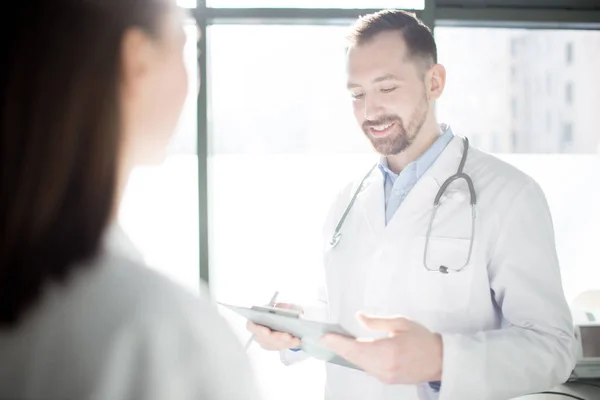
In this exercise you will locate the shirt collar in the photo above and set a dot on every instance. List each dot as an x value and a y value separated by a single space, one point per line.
421 164
384 167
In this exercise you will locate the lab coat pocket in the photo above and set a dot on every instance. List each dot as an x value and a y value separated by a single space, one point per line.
436 291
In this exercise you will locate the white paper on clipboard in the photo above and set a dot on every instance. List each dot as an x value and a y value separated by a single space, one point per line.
308 331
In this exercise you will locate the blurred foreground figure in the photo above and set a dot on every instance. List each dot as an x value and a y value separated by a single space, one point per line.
89 89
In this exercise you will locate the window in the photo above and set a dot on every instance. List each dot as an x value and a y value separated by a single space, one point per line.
513 47
513 141
569 53
407 4
567 134
280 118
513 107
160 205
506 97
540 133
495 141
569 93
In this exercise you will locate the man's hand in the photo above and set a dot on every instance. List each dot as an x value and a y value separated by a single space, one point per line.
411 354
273 340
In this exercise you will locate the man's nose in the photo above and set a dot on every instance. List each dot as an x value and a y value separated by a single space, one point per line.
373 109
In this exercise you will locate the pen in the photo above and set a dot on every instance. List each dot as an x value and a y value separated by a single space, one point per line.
271 304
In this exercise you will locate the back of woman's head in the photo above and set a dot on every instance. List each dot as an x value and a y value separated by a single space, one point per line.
77 80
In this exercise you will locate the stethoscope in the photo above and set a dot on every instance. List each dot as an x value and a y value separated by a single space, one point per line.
337 234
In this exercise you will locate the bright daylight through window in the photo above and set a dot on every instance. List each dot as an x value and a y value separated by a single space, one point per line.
283 141
169 193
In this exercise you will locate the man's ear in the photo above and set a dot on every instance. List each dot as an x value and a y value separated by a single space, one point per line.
435 81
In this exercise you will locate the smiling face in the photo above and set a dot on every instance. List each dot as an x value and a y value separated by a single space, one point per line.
389 91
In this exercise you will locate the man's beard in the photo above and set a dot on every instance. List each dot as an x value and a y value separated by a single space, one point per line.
402 137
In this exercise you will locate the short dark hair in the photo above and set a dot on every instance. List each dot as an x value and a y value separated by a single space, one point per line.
60 137
418 37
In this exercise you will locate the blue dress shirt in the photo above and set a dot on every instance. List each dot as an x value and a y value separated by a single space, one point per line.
397 186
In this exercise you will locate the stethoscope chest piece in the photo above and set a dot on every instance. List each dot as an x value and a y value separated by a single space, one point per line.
335 239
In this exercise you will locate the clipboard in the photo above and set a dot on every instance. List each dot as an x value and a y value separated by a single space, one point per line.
292 322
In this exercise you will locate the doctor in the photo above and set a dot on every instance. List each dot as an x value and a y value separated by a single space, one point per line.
446 253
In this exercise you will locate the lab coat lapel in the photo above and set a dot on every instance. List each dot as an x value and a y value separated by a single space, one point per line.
410 221
416 208
447 163
372 202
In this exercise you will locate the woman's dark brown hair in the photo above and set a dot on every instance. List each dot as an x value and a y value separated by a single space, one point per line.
59 137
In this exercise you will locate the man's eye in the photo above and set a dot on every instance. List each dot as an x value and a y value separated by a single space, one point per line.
388 90
357 95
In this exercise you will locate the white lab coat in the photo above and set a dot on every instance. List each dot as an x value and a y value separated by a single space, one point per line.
120 331
506 326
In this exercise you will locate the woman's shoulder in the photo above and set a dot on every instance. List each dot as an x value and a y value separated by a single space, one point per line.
115 289
183 330
120 280
117 314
